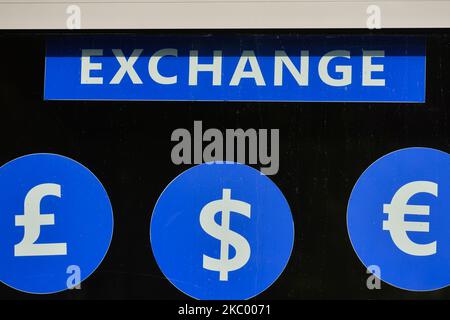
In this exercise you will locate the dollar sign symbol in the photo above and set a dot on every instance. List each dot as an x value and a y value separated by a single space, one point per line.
226 236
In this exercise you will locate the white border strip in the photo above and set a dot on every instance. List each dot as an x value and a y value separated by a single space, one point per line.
232 14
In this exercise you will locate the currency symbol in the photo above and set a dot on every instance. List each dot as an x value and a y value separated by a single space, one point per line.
226 236
32 220
396 224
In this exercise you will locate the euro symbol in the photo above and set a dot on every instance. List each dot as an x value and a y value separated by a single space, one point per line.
32 220
396 224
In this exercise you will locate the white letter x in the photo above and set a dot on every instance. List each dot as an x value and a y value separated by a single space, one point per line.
126 66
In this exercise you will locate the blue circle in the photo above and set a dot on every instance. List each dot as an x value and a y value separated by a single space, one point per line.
179 241
400 265
82 220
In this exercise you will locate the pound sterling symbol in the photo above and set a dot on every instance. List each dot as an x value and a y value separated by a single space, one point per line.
32 220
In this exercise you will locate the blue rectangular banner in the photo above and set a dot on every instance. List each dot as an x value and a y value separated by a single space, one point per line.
236 68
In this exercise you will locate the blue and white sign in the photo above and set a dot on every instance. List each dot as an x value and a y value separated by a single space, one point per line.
236 68
56 223
222 231
399 220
